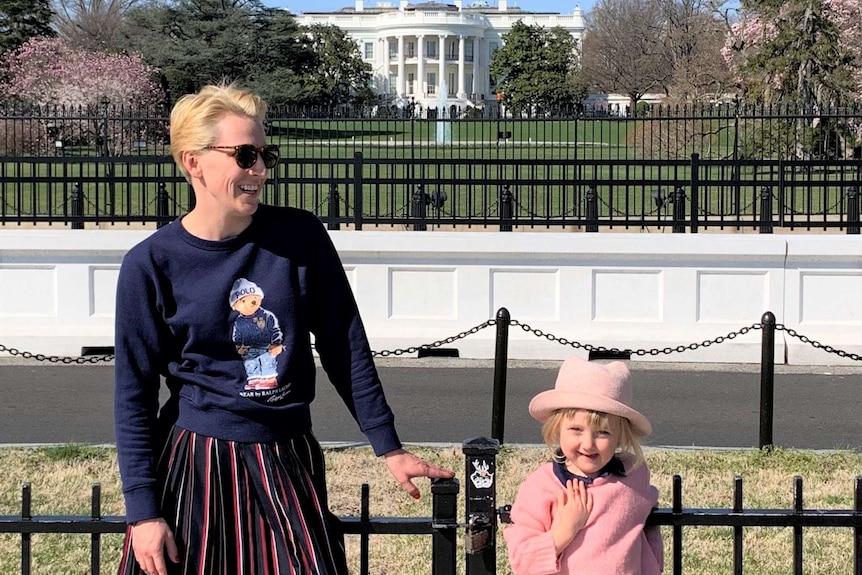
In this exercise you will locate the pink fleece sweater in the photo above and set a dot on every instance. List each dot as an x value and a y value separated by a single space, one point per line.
613 541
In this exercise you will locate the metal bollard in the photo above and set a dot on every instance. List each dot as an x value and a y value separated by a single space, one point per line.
480 544
592 198
767 378
420 203
765 210
678 210
506 212
334 210
853 210
162 206
501 359
77 207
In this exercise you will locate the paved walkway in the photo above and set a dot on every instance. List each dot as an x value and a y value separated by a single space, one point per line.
448 401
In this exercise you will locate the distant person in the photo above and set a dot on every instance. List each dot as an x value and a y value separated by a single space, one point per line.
584 511
227 477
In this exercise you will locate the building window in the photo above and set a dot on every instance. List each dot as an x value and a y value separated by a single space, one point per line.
452 87
369 50
411 78
432 83
411 50
393 83
431 48
453 50
468 52
393 50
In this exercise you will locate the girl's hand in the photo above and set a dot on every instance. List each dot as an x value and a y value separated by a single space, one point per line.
574 505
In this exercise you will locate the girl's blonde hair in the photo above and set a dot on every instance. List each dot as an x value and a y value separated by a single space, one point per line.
629 443
194 117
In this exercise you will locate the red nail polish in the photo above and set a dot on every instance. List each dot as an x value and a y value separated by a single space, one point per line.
415 496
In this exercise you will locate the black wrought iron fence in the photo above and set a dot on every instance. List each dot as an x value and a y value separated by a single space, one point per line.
688 195
441 526
684 168
482 520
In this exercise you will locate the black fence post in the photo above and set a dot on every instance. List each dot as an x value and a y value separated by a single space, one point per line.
357 191
365 519
765 210
853 210
767 378
506 211
26 538
679 210
481 502
420 204
857 531
501 360
95 538
78 207
444 521
162 205
592 198
695 191
112 190
334 210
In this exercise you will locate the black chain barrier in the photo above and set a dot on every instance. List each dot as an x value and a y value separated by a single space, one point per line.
512 322
55 358
654 351
415 349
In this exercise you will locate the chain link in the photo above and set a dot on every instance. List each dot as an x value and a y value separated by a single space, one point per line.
641 352
816 344
512 322
56 358
462 335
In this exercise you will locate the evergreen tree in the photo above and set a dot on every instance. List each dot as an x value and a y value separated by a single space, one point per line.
202 42
535 70
339 74
21 20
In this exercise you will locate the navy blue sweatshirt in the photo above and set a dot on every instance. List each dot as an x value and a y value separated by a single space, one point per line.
186 308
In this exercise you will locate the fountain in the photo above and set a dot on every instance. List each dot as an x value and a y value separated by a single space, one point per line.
444 123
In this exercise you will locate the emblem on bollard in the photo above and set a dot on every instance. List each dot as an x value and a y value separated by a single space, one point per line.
482 477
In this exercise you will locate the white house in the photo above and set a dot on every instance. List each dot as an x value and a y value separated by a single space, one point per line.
431 53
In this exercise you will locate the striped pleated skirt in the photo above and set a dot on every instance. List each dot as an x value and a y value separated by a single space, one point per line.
246 508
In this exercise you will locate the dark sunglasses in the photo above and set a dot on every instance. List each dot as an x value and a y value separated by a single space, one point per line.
246 154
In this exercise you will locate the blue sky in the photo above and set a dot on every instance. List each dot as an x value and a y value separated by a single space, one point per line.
562 6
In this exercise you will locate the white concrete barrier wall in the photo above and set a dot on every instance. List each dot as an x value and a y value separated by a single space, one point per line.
635 291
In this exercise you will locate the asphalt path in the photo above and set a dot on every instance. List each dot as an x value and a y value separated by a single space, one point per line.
449 401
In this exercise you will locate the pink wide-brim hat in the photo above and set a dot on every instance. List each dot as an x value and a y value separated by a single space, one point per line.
581 384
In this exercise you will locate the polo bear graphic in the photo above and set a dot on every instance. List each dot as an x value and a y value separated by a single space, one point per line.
256 334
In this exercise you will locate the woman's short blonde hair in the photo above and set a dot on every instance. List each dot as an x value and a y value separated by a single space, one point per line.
629 442
194 117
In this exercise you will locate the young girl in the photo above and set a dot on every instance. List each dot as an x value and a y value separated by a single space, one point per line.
584 512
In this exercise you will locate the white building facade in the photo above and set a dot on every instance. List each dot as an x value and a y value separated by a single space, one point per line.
432 53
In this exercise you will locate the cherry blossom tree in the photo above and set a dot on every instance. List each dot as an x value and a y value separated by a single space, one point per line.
61 83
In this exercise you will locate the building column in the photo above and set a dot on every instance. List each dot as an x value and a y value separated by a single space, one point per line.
401 91
441 68
386 65
475 89
420 66
461 91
